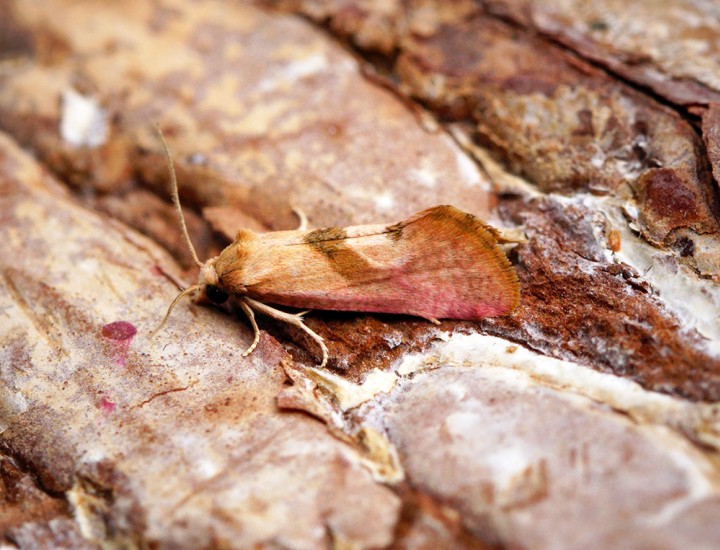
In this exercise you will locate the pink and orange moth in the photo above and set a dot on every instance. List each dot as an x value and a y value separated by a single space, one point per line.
440 263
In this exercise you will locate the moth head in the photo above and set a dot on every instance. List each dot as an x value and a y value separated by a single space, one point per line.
216 295
210 283
208 274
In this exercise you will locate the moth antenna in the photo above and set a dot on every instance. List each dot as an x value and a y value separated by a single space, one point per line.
179 297
176 200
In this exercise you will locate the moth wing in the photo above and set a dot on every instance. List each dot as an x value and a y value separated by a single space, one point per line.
456 269
440 263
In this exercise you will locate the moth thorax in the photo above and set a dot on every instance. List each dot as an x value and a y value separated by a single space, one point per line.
208 275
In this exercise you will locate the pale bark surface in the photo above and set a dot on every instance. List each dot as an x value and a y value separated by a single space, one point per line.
587 419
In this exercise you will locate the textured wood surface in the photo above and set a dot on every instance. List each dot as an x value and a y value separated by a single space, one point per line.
587 419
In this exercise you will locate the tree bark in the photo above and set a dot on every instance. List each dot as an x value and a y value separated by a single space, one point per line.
586 419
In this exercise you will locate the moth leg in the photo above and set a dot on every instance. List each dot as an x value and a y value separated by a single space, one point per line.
303 219
431 319
294 319
249 312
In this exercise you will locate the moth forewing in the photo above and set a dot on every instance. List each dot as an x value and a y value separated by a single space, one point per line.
440 263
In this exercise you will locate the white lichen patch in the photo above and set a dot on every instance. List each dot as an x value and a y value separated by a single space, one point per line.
291 72
541 445
381 457
83 122
424 176
384 201
11 403
525 368
348 394
694 300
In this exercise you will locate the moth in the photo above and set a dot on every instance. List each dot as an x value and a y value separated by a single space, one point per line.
441 263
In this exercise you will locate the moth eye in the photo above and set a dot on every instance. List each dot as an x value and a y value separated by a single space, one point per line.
215 295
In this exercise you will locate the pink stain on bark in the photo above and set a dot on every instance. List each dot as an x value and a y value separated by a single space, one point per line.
106 405
119 330
121 334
